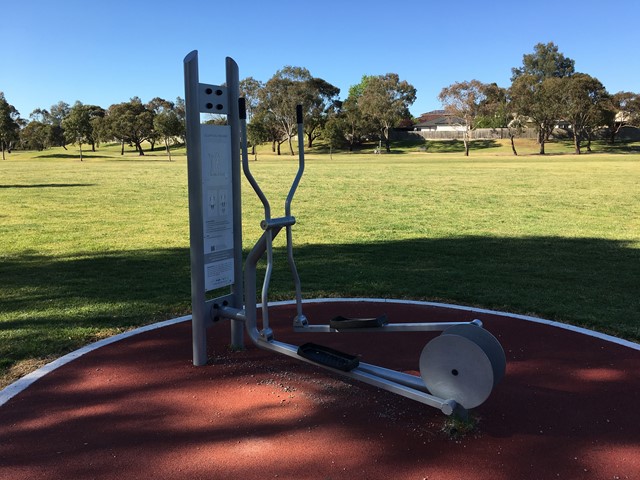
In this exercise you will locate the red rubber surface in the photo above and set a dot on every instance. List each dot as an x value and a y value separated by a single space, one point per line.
567 408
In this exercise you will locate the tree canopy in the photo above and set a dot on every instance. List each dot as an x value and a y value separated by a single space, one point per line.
463 100
9 124
545 62
384 100
544 90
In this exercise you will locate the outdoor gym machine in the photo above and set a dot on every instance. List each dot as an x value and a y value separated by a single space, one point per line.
458 369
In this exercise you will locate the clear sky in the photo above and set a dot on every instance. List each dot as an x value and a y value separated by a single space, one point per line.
107 52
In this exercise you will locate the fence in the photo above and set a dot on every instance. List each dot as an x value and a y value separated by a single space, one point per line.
477 134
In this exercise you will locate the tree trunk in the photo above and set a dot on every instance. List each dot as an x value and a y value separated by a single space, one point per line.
513 145
310 140
166 144
576 143
387 140
153 144
80 144
466 139
93 146
139 148
122 147
289 139
3 150
278 148
541 137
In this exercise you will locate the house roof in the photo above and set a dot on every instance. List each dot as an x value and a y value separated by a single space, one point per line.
435 118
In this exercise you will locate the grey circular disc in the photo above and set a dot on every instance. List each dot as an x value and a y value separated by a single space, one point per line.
487 342
454 367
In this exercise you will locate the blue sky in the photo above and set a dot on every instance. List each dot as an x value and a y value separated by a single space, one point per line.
107 52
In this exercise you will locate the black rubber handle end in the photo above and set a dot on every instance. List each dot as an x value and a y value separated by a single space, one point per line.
242 107
299 113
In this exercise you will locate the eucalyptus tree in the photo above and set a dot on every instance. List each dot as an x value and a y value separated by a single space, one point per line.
9 125
157 105
250 90
536 90
279 98
35 135
57 113
321 103
130 122
384 100
496 111
625 107
585 103
77 125
545 62
168 126
462 101
277 102
540 102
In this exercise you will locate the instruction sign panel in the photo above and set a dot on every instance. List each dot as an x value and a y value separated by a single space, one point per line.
217 205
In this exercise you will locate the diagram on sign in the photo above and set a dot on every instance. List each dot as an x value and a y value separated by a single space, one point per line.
217 210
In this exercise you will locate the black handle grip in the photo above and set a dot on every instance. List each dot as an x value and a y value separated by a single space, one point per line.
242 107
299 113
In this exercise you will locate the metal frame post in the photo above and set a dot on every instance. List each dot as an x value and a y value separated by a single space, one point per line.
204 98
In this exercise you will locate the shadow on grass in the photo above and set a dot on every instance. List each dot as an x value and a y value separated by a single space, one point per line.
456 146
53 305
72 155
49 185
619 147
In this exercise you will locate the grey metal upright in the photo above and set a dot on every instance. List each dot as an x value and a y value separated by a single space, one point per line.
216 258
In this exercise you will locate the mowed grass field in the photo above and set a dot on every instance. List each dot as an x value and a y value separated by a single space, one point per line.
89 249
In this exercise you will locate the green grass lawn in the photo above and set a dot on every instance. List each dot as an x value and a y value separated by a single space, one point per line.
92 248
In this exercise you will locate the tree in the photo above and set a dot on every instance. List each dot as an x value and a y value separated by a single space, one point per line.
385 100
496 111
625 111
355 125
320 104
462 100
181 111
535 91
157 105
334 133
279 98
35 135
540 102
584 104
250 90
9 125
130 122
57 113
168 125
545 62
77 125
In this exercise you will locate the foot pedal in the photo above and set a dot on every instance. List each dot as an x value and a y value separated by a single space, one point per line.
328 357
343 323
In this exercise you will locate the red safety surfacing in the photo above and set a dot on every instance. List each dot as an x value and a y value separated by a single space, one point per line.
567 408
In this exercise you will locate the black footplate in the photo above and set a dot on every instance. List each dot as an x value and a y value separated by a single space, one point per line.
328 357
342 323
